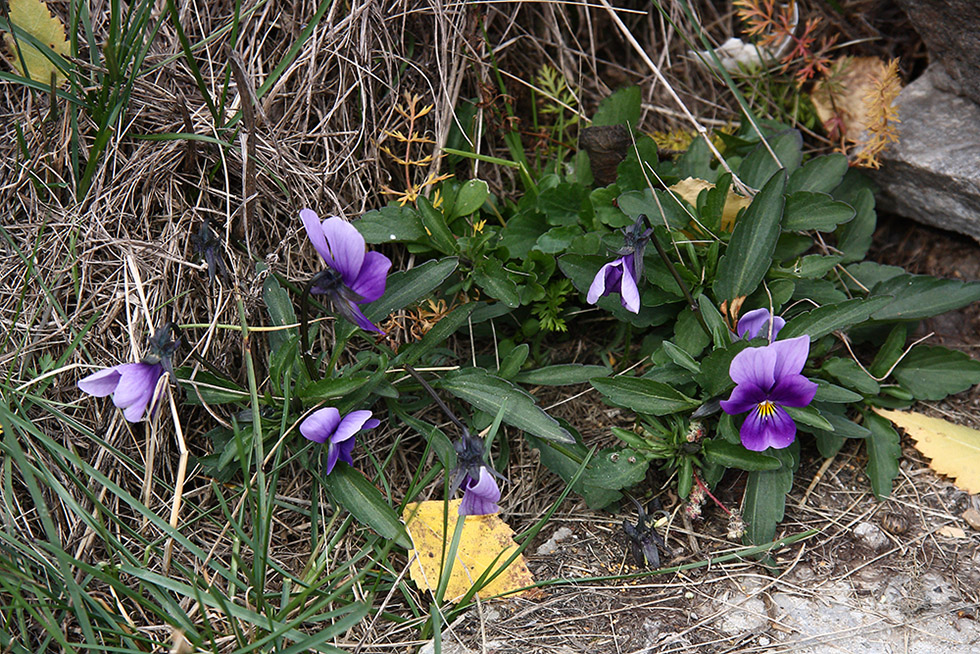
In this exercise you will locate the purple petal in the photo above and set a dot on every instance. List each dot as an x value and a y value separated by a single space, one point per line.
756 322
344 450
754 366
481 497
101 383
135 389
353 313
320 425
793 390
370 282
790 356
333 453
606 281
346 246
629 293
744 397
760 432
315 231
350 425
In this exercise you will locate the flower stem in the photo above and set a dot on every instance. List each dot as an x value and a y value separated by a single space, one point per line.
691 302
707 492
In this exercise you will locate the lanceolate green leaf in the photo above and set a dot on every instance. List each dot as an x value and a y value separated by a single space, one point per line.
820 175
932 373
488 393
921 296
759 166
884 452
354 492
830 318
435 224
819 211
406 287
644 395
562 374
765 500
731 455
749 252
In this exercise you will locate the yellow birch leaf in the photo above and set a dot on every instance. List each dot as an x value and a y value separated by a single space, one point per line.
486 541
33 17
689 189
954 449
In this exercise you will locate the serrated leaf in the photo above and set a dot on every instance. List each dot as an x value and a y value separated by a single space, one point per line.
954 449
753 241
933 372
492 278
33 17
759 166
884 451
644 395
489 393
354 492
823 320
564 374
817 211
485 544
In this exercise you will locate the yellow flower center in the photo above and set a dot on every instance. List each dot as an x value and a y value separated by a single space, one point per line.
766 409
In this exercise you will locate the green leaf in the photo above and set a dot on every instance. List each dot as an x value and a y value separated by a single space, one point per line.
565 461
889 353
933 372
615 469
435 223
827 392
681 358
849 373
622 107
631 172
819 175
921 296
557 239
828 444
446 327
326 389
753 241
210 388
657 206
562 204
714 378
844 427
441 443
866 275
522 232
406 287
563 374
731 455
759 166
488 393
644 395
391 224
281 311
470 197
823 320
350 489
854 236
492 278
512 363
818 211
809 416
764 501
884 451
716 324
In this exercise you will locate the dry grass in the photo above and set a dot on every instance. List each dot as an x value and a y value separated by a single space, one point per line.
90 276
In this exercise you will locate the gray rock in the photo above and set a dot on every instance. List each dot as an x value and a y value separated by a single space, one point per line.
949 29
870 536
931 175
551 545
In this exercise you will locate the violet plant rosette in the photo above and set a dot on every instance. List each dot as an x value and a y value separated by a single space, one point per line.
353 275
325 426
767 379
132 385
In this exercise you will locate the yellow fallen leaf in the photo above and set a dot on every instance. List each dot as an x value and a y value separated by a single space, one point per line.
486 541
951 532
689 189
954 449
33 17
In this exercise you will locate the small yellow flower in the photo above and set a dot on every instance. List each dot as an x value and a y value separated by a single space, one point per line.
478 227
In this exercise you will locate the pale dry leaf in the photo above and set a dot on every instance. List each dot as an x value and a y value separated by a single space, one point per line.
954 450
839 97
951 532
689 189
33 17
486 541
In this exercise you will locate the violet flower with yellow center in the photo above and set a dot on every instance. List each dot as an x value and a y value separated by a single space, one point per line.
768 379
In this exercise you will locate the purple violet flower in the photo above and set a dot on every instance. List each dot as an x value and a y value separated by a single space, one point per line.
617 276
326 426
481 495
756 322
132 384
767 379
353 276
